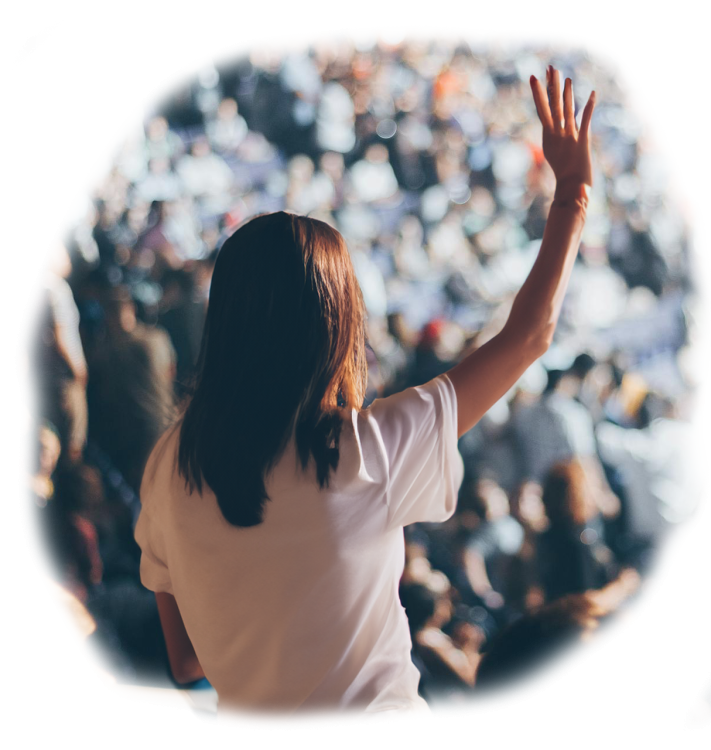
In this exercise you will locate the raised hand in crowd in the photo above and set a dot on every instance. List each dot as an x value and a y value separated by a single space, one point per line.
565 147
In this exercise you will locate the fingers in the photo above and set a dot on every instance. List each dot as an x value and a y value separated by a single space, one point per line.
541 101
587 116
568 109
554 94
557 112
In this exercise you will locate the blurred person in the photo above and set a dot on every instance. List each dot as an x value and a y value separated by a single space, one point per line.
103 505
183 229
372 178
160 141
206 176
411 259
571 551
59 361
153 243
332 168
524 645
430 356
335 119
447 667
131 390
635 255
184 110
307 190
275 442
182 316
490 551
598 388
61 543
660 487
160 183
47 453
78 622
528 509
557 427
228 129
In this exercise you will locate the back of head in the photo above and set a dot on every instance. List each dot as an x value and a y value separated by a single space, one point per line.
283 351
539 649
554 377
566 495
582 365
419 603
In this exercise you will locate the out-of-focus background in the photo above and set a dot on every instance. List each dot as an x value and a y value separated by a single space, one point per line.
427 156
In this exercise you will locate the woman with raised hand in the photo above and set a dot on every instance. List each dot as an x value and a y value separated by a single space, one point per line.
273 510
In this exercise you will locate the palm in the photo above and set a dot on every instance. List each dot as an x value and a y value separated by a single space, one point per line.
566 148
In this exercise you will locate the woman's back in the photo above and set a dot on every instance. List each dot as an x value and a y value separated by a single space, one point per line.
302 609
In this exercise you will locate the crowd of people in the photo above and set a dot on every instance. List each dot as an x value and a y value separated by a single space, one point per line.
427 158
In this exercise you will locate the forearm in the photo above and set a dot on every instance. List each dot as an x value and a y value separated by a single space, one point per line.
610 597
475 569
536 308
72 355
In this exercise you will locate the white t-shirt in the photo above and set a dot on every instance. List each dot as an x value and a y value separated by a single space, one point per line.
302 611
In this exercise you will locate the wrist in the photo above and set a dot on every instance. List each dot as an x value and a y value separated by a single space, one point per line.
571 192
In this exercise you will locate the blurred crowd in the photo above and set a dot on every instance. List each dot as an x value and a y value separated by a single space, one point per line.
427 157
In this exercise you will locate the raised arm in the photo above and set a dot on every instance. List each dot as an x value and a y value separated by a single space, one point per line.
483 377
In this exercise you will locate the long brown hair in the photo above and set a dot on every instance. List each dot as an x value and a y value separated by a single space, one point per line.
566 495
282 354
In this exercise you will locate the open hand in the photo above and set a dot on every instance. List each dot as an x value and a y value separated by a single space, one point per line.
566 148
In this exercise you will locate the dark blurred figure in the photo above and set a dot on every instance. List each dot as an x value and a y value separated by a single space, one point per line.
153 245
634 254
182 315
536 637
428 361
131 387
59 363
558 427
62 543
573 556
176 98
490 552
447 668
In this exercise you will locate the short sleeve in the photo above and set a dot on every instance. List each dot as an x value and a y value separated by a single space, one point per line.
418 432
153 570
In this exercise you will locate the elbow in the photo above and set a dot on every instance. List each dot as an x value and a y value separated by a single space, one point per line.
542 344
187 673
540 341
